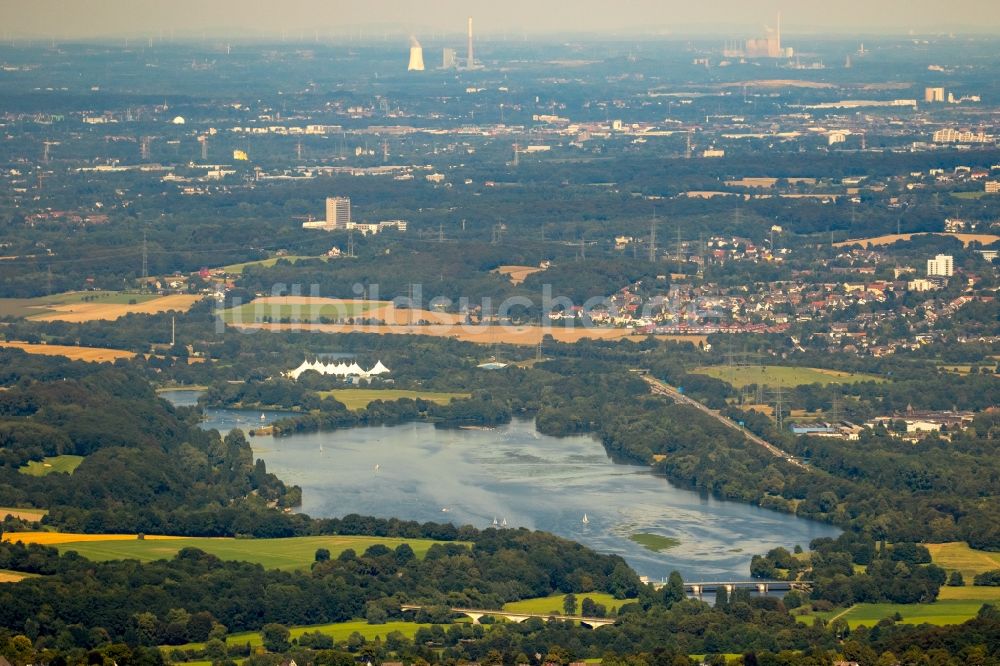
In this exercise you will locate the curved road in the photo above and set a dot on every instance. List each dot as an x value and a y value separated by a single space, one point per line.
659 388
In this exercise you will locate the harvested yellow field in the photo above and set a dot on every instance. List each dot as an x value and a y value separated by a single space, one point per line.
517 274
53 538
487 335
91 354
777 83
95 311
889 239
767 182
12 577
310 309
30 515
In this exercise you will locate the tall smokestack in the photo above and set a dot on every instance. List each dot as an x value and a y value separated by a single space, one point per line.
470 61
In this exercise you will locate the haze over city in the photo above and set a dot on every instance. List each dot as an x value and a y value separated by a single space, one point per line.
92 19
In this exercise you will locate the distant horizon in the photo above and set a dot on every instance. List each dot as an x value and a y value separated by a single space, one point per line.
309 20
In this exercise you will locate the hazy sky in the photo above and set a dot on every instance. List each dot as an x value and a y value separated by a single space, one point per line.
270 18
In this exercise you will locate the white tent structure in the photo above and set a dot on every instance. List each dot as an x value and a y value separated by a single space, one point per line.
338 369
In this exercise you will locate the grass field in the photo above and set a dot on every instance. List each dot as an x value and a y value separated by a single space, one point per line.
360 398
941 612
291 553
30 515
266 263
954 605
553 605
90 354
338 631
54 465
655 542
958 556
969 195
780 375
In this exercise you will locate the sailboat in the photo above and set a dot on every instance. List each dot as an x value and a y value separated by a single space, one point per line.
585 520
377 467
495 523
503 523
263 417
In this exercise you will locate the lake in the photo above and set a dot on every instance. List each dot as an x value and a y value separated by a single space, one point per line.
513 473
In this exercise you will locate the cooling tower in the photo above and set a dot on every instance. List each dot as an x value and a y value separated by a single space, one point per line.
416 56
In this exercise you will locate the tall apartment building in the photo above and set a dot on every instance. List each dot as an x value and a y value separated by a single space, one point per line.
338 212
933 95
940 266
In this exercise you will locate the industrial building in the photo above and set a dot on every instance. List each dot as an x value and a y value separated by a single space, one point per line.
416 56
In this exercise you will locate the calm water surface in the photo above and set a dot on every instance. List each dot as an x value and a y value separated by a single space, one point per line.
513 473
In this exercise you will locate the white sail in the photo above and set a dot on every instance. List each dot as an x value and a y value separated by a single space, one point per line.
585 519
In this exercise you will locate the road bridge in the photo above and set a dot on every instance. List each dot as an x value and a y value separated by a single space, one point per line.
761 586
477 613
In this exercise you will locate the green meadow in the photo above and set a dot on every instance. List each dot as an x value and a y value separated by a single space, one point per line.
289 553
781 375
954 605
553 605
361 398
266 263
55 465
338 631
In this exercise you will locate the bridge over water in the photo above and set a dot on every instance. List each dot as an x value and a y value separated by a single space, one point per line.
761 586
477 613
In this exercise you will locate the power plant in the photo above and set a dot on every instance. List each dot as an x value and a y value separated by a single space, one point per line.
416 56
768 46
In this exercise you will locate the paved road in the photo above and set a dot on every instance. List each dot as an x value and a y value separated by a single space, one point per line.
658 387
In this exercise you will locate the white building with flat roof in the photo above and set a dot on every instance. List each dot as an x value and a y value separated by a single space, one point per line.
940 266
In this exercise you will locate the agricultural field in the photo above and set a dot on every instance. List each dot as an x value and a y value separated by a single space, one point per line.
518 274
43 305
338 631
7 576
265 263
31 515
554 604
780 375
89 354
361 398
954 604
54 465
889 239
83 306
941 612
958 556
290 553
303 309
486 335
59 538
